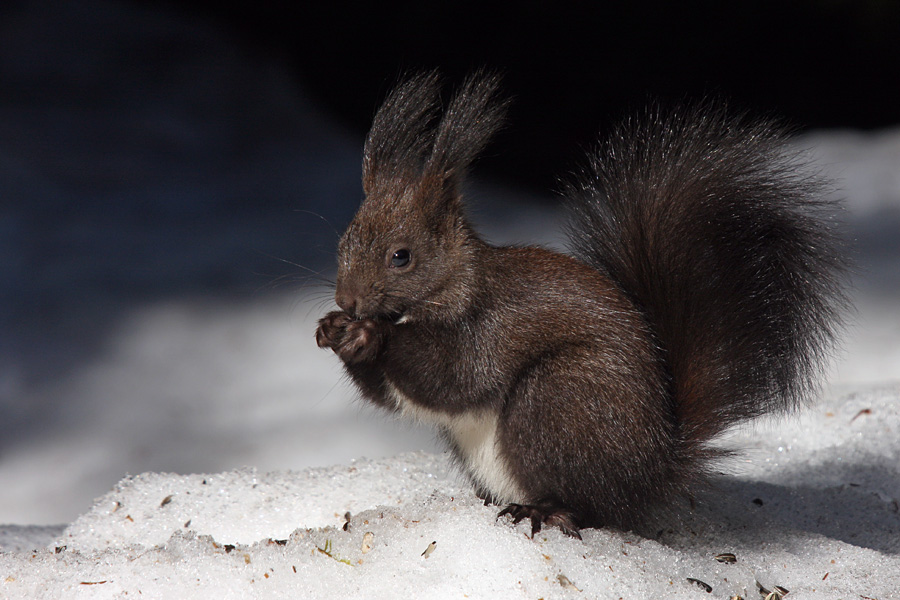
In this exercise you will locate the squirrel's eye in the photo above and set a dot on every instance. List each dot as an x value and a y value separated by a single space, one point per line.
400 258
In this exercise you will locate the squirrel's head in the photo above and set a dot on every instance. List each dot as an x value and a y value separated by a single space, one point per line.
409 251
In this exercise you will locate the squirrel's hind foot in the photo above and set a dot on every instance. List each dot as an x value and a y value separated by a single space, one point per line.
543 515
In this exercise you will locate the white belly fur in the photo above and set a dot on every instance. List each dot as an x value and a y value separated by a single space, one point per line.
475 434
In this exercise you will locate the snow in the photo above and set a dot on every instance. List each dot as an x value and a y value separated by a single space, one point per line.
812 508
147 329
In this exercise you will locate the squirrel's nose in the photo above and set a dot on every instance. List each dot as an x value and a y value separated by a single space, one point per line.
347 302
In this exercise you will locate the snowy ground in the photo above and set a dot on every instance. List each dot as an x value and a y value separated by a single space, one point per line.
145 330
813 508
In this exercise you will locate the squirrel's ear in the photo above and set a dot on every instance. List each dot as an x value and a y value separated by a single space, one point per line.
401 137
405 148
474 114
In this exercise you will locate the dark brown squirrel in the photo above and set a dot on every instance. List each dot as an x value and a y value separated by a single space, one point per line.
583 391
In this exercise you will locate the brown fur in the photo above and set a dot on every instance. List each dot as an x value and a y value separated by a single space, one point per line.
704 293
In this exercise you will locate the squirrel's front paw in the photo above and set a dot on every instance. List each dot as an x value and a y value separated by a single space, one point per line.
331 329
360 342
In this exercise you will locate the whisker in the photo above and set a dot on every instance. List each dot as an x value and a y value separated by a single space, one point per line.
328 393
306 282
310 270
317 215
319 307
433 302
389 295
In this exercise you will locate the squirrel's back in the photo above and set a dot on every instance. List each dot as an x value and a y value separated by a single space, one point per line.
723 239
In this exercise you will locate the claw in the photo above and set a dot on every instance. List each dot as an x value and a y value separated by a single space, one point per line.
542 515
535 526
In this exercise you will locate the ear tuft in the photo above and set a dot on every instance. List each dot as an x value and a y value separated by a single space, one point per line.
400 137
474 115
404 145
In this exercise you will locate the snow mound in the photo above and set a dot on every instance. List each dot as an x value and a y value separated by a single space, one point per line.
814 509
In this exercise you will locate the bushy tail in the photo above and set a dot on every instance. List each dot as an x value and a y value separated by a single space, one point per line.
722 237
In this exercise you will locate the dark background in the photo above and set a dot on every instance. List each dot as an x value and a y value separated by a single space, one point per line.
169 170
151 148
573 67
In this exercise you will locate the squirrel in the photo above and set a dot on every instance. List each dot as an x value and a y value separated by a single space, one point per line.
704 288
